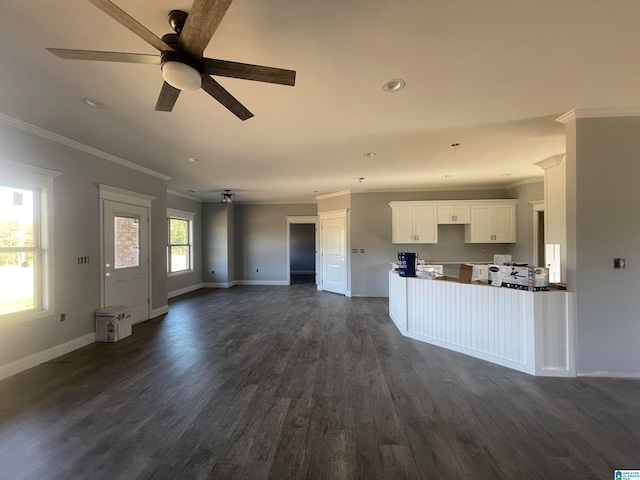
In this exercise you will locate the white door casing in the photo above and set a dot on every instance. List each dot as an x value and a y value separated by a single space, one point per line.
334 252
125 264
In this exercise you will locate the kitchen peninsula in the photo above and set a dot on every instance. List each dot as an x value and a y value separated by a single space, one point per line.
533 332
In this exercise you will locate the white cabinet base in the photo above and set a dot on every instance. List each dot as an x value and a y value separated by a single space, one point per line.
532 332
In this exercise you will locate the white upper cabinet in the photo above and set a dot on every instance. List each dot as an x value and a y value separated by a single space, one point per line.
414 223
448 214
485 221
492 223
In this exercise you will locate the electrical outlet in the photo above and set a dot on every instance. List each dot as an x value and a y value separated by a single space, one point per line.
362 250
63 317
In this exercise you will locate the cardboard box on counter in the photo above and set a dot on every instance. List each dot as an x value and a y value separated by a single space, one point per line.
534 279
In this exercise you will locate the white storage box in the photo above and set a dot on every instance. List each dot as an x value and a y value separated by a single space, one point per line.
501 259
535 279
113 323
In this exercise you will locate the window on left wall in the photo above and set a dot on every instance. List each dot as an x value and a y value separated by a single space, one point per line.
179 241
25 241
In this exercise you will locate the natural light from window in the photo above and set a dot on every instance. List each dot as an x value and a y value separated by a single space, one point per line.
19 250
179 248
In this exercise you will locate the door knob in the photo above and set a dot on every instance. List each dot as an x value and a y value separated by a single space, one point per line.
108 274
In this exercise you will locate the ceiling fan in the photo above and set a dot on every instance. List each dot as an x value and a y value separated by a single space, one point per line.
181 60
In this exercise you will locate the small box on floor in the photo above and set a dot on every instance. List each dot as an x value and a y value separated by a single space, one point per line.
534 279
113 323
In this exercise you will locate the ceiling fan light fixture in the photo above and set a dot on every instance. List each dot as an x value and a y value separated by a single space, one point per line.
181 76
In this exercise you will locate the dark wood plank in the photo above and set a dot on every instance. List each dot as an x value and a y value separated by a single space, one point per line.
247 71
288 382
105 56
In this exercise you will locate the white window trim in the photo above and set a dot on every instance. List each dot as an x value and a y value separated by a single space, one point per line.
182 215
30 177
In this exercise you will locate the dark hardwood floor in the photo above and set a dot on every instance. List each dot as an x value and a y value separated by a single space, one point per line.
292 383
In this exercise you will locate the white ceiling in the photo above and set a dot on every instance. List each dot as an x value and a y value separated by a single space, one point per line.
489 75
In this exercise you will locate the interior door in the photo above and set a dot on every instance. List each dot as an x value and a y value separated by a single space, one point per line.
334 255
126 257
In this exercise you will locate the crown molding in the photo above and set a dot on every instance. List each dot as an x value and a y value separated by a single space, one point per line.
41 132
551 161
598 113
184 195
335 194
525 181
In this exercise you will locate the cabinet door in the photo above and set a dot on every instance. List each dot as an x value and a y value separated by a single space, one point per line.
402 220
426 224
504 219
480 230
448 214
462 214
445 214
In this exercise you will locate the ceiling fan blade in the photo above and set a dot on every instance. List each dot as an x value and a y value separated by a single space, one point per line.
136 27
105 56
247 71
167 98
201 24
216 90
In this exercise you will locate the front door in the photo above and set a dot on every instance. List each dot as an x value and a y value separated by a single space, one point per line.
334 254
126 257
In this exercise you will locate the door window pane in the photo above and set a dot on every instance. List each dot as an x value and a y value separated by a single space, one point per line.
127 241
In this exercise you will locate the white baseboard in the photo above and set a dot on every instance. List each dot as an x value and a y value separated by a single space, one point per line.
218 285
182 291
347 293
31 361
371 296
633 375
156 312
245 282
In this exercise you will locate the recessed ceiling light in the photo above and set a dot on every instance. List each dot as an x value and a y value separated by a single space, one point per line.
369 154
93 103
393 85
194 159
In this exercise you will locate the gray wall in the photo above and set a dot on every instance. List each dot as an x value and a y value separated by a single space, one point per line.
302 247
523 250
261 240
187 280
605 168
335 202
217 243
77 233
371 230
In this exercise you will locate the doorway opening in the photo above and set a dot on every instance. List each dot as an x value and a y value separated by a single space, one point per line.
302 253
